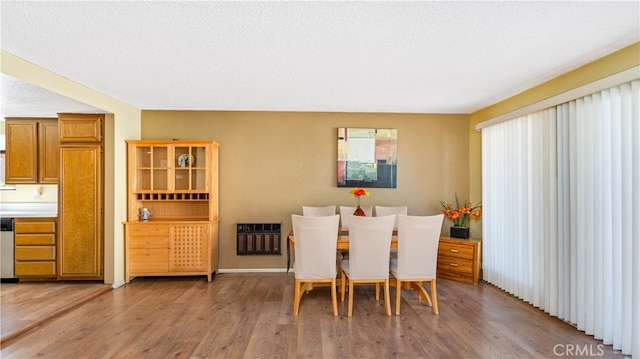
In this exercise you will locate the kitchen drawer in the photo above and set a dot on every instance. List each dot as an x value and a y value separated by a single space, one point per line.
35 269
35 239
455 250
455 265
146 229
35 253
148 242
35 227
152 260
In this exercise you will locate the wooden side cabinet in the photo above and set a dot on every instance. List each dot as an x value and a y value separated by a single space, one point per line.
35 248
459 259
32 150
177 183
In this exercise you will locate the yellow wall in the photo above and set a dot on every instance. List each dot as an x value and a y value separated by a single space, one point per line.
272 163
613 63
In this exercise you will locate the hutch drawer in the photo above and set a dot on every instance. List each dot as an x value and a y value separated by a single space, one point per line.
149 260
149 242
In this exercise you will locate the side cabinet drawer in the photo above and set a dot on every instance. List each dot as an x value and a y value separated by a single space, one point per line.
457 251
455 265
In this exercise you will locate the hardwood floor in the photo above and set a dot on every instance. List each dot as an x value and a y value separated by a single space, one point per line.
27 304
250 316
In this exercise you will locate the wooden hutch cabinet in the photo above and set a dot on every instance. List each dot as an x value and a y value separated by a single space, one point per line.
32 150
176 182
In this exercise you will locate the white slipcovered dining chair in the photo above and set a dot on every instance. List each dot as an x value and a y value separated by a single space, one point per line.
418 238
368 263
382 211
315 254
318 211
386 211
346 212
310 211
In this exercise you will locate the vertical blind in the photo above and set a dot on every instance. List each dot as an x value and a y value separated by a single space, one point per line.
561 202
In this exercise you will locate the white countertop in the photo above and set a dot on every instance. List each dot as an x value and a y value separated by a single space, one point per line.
28 210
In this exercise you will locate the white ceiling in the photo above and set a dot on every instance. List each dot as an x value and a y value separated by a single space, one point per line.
404 57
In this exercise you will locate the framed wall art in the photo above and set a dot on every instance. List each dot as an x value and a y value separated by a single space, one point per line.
367 157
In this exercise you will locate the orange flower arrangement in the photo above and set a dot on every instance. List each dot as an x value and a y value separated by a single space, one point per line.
461 215
358 193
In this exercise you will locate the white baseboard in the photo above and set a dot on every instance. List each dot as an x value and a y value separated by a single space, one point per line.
118 284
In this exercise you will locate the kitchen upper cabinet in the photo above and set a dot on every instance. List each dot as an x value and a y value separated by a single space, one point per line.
77 127
32 150
48 152
80 204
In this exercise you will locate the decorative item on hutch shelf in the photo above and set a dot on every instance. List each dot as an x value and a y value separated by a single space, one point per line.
145 214
358 193
461 216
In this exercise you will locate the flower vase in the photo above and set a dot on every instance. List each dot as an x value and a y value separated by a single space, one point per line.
359 212
459 232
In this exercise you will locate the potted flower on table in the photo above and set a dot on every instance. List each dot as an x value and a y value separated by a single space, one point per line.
358 193
461 215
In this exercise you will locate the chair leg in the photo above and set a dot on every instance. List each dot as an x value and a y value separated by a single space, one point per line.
296 297
377 291
350 311
334 297
387 300
434 296
398 293
343 284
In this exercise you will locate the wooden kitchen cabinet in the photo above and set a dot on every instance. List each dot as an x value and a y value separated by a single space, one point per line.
32 150
80 208
459 259
177 182
80 128
35 248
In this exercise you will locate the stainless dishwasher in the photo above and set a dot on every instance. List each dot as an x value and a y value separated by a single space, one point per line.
7 249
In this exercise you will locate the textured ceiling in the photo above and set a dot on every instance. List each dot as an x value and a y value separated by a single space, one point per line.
405 57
